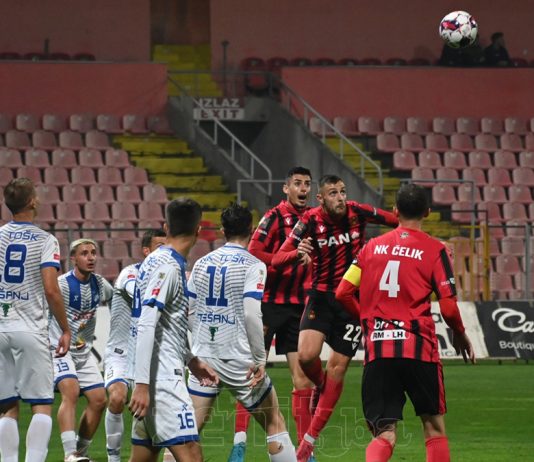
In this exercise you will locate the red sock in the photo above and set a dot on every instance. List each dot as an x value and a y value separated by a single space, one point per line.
300 405
327 402
437 449
379 450
242 418
314 371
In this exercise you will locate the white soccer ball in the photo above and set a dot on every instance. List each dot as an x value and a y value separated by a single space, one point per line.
458 29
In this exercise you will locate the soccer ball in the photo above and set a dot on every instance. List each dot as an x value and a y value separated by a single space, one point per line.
459 29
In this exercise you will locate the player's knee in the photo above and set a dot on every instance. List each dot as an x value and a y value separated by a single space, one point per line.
306 357
116 402
98 401
279 443
70 393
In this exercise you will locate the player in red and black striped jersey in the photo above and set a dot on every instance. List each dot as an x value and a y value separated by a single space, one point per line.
332 234
283 299
397 273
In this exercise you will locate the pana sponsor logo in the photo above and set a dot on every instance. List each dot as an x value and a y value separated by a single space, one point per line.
510 320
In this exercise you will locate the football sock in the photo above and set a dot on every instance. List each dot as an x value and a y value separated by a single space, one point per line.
287 454
327 402
69 442
300 406
37 438
82 445
437 449
9 440
379 450
314 371
242 419
114 429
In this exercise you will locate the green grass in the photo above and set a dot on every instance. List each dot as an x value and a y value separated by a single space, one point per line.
490 415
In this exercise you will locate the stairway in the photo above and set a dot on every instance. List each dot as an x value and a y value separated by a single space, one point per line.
188 58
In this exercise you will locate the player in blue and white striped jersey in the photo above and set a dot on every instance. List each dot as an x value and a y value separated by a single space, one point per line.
83 292
29 261
225 289
117 347
162 407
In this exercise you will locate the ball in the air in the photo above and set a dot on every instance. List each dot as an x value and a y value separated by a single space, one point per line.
458 29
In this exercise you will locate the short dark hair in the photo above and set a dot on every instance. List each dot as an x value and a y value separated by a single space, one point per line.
329 179
236 221
18 193
496 36
298 171
412 201
146 240
183 216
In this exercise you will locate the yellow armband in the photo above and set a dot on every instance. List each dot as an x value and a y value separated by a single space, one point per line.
353 275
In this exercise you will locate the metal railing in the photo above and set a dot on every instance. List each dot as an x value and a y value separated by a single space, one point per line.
248 169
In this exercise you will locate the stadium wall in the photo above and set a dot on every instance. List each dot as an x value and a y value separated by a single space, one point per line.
358 29
116 30
95 88
407 91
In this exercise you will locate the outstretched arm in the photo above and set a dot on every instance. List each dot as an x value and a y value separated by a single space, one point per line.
451 315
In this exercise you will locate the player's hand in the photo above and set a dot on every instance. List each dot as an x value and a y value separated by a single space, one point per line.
63 344
305 247
462 344
256 374
203 372
305 260
139 401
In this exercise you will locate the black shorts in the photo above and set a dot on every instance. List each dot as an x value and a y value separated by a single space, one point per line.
325 314
282 320
387 381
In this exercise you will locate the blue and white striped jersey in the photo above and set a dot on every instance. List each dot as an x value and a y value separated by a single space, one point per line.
217 286
24 250
161 283
121 311
81 301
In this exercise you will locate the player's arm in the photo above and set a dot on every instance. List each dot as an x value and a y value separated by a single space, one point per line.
192 297
346 289
295 248
260 242
378 216
107 291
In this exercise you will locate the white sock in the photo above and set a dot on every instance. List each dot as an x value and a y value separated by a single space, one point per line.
82 445
114 429
69 442
9 440
38 437
287 454
240 437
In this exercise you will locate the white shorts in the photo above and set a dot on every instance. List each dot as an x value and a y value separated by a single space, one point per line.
116 369
83 368
25 368
170 419
233 376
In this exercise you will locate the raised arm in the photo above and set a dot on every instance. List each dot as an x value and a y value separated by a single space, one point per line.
296 247
56 306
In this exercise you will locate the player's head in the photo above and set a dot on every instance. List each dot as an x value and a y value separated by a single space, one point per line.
332 195
83 255
182 218
298 186
20 196
151 240
236 222
412 202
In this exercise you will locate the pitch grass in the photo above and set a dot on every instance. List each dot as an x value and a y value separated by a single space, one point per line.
490 418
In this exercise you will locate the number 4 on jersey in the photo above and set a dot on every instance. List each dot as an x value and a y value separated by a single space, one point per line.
390 278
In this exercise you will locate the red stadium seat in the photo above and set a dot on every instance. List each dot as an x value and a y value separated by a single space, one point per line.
123 230
479 159
107 267
117 158
17 140
486 142
474 174
56 175
523 175
346 125
64 158
514 211
515 228
101 193
531 211
136 251
109 175
109 123
429 159
436 142
6 123
54 123
396 62
115 249
466 191
275 64
446 173
97 140
145 225
90 158
404 160
454 159
467 125
387 142
506 159
513 246
149 211
128 193
47 194
81 123
491 125
516 125
96 211
45 215
519 193
74 193
123 211
44 140
69 212
155 193
36 158
301 62
494 249
499 176
494 193
324 62
395 125
159 125
134 123
417 125
511 142
67 232
70 139
443 125
319 128
461 142
135 176
27 123
84 176
208 230
489 212
412 142
443 194
33 173
368 125
529 142
10 158
370 62
501 285
420 174
461 212
526 159
95 230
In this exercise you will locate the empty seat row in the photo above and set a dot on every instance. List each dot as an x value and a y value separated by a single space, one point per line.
447 194
496 176
84 123
511 214
47 140
39 56
389 142
68 158
407 160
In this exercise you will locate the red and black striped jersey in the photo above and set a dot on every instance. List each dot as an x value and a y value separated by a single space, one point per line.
287 284
399 272
336 242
